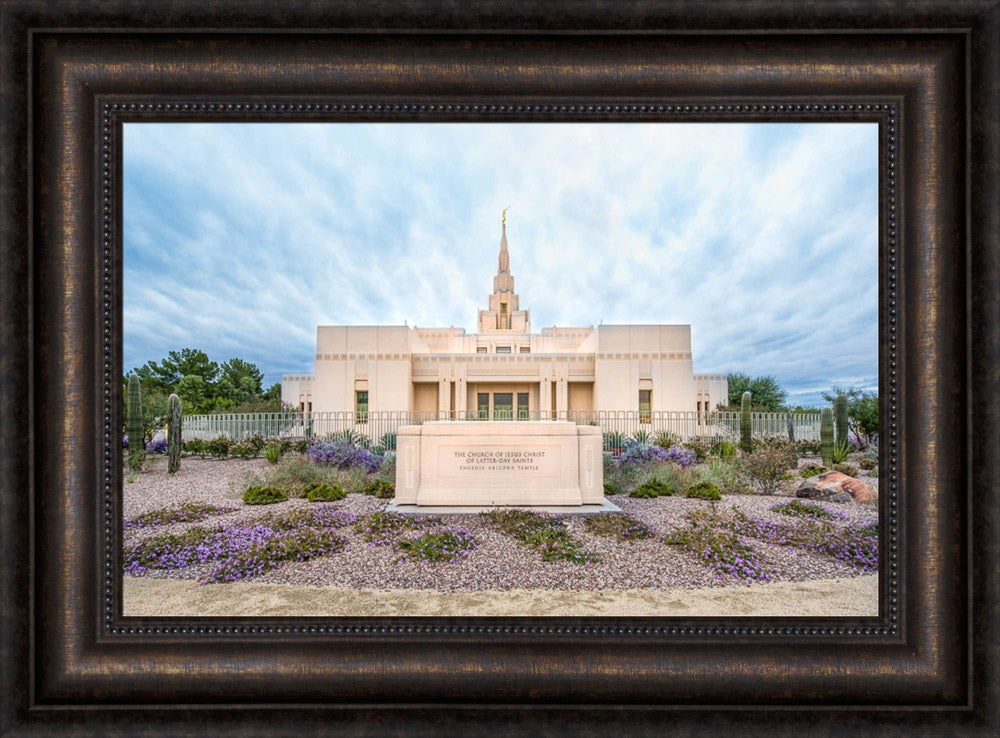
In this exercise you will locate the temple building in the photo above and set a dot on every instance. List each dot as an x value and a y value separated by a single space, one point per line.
503 370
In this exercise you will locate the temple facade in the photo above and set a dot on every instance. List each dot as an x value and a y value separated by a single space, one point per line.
503 369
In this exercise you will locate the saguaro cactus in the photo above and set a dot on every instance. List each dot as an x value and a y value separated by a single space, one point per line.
826 435
133 423
174 440
791 426
840 421
746 430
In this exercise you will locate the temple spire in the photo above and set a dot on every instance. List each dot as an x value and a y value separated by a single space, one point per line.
503 312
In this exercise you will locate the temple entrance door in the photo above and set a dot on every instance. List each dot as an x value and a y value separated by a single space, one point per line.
506 405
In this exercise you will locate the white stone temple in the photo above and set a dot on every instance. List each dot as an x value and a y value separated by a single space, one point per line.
503 370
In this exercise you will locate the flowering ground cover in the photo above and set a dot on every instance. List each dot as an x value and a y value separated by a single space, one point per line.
244 550
721 539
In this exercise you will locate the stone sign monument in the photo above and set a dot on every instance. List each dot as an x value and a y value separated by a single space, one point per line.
502 463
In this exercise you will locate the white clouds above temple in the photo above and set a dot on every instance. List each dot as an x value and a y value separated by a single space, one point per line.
240 239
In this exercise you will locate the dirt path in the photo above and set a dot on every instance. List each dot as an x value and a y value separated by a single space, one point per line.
185 598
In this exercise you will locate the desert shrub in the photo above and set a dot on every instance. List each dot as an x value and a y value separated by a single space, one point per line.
642 455
726 475
445 544
848 469
323 492
273 451
257 442
666 439
381 489
681 456
342 454
301 445
704 491
218 447
242 450
196 446
618 525
867 464
766 468
387 469
611 489
159 446
701 447
724 449
780 446
619 478
807 447
263 495
652 488
811 470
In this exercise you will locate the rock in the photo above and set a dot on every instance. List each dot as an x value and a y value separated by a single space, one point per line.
832 486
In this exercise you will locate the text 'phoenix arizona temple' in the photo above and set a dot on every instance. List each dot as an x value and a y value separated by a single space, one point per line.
503 370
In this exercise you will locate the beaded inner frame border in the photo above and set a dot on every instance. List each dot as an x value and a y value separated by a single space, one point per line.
114 114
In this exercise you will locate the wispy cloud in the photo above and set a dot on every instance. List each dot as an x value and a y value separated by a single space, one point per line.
241 238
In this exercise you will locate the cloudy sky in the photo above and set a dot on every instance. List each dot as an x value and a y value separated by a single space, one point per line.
239 239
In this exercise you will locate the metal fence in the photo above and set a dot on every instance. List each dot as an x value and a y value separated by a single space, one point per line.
379 428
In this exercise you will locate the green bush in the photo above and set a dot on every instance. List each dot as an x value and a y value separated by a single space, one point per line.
265 495
799 509
726 475
219 447
242 451
704 491
849 470
381 489
323 492
867 464
723 449
804 447
273 451
257 442
196 446
811 470
620 478
300 445
652 488
610 489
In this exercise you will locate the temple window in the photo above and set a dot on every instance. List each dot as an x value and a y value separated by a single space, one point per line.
503 349
361 406
646 406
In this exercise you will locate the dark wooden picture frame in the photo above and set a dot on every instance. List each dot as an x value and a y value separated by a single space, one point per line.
927 72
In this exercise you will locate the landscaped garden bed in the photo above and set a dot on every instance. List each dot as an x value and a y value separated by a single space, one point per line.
195 524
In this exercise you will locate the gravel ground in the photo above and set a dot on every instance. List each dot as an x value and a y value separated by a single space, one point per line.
498 563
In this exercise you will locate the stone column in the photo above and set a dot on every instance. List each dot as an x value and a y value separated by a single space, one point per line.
444 398
544 399
562 397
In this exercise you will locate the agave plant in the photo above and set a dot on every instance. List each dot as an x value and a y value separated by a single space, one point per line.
643 437
840 452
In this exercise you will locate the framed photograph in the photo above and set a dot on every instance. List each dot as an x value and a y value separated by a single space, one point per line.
921 81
